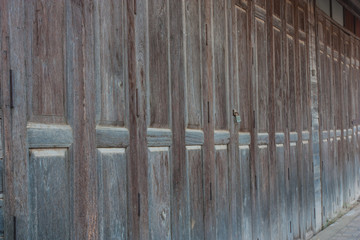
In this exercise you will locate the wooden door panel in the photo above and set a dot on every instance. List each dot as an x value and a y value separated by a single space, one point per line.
196 194
47 88
280 83
243 75
110 62
291 82
261 221
244 189
219 66
294 192
49 181
261 75
158 84
282 178
159 193
193 91
221 195
112 187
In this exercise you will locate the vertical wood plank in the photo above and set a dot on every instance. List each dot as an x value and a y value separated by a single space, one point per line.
180 225
49 185
159 193
112 194
83 121
219 65
196 195
193 64
48 57
245 222
158 30
221 192
244 79
138 73
110 62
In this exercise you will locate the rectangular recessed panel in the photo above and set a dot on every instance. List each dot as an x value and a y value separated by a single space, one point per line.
219 67
280 85
262 192
305 99
159 193
112 193
48 70
158 63
262 74
244 83
196 194
282 177
193 60
222 196
292 83
294 190
111 64
49 175
245 188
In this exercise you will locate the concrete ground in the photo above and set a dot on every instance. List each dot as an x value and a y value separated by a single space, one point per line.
345 228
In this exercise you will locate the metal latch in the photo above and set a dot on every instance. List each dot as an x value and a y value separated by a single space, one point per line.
237 116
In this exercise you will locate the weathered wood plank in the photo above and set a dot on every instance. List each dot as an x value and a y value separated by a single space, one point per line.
83 115
159 193
158 99
193 91
138 74
47 57
261 75
263 193
112 193
221 193
196 194
110 62
50 194
282 178
245 221
220 83
243 75
111 137
180 225
46 135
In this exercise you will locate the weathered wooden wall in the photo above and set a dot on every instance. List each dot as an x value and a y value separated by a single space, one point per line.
338 74
118 119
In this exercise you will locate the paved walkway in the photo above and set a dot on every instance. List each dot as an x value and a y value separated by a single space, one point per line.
345 228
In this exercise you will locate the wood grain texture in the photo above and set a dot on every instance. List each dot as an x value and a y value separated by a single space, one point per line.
196 195
243 47
47 57
158 29
221 193
159 193
193 91
246 218
49 186
219 65
110 62
112 193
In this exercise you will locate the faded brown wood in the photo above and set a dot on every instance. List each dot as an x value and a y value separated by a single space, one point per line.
196 195
48 57
158 29
180 224
125 111
110 62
